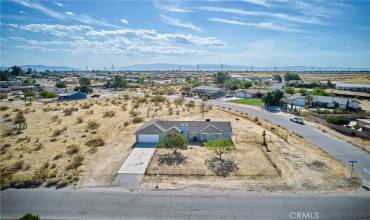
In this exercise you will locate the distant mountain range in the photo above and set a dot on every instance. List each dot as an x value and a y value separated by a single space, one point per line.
43 68
202 67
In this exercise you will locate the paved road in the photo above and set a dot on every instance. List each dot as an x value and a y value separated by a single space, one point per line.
117 204
339 149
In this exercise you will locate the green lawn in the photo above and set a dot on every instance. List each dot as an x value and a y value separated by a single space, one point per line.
256 102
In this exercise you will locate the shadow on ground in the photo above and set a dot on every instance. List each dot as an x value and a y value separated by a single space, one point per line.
172 159
222 167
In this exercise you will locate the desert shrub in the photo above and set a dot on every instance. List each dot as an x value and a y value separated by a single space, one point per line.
57 132
96 142
75 163
133 113
338 120
48 94
37 147
108 114
63 182
51 182
24 181
4 108
126 123
6 115
190 104
158 98
57 156
86 105
13 168
41 173
92 125
137 120
79 120
124 108
72 149
69 111
179 101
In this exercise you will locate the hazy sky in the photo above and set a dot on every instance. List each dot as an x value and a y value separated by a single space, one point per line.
248 32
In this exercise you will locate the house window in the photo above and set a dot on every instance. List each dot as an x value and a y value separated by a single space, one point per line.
217 135
204 136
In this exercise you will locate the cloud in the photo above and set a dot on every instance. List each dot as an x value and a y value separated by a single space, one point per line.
169 7
137 42
63 16
286 17
258 2
260 25
179 23
124 21
69 13
22 12
59 4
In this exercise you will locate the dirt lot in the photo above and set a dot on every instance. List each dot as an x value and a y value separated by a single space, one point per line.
62 143
299 165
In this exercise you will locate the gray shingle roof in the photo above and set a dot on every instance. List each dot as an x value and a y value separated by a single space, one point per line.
161 127
331 99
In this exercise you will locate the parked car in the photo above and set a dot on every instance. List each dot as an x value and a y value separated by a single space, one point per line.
298 120
229 95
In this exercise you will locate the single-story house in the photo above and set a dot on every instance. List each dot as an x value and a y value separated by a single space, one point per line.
296 100
276 86
74 95
153 131
248 93
335 102
353 87
209 91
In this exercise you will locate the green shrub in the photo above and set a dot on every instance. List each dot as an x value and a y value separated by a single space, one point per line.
29 216
51 182
48 95
190 104
337 120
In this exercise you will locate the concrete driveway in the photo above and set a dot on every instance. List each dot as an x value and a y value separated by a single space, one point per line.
133 169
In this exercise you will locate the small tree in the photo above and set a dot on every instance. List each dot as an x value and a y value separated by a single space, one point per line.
290 90
220 147
173 141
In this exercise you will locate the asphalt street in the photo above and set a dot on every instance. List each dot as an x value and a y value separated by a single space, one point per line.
339 149
111 203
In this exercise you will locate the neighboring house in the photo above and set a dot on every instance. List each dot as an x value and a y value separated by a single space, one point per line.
153 131
248 93
277 86
353 87
335 102
74 95
295 100
209 91
363 122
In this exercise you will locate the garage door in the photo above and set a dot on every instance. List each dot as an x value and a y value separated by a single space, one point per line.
149 138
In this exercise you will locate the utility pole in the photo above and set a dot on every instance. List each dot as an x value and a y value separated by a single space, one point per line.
222 67
112 67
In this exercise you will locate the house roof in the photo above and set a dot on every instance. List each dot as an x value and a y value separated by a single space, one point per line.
70 93
251 91
162 127
209 88
332 99
294 97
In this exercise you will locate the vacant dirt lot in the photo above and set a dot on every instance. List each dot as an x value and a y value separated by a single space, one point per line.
80 142
299 165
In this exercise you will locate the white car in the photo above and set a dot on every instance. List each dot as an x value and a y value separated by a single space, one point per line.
298 120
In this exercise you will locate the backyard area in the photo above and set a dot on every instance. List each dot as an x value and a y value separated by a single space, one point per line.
255 102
